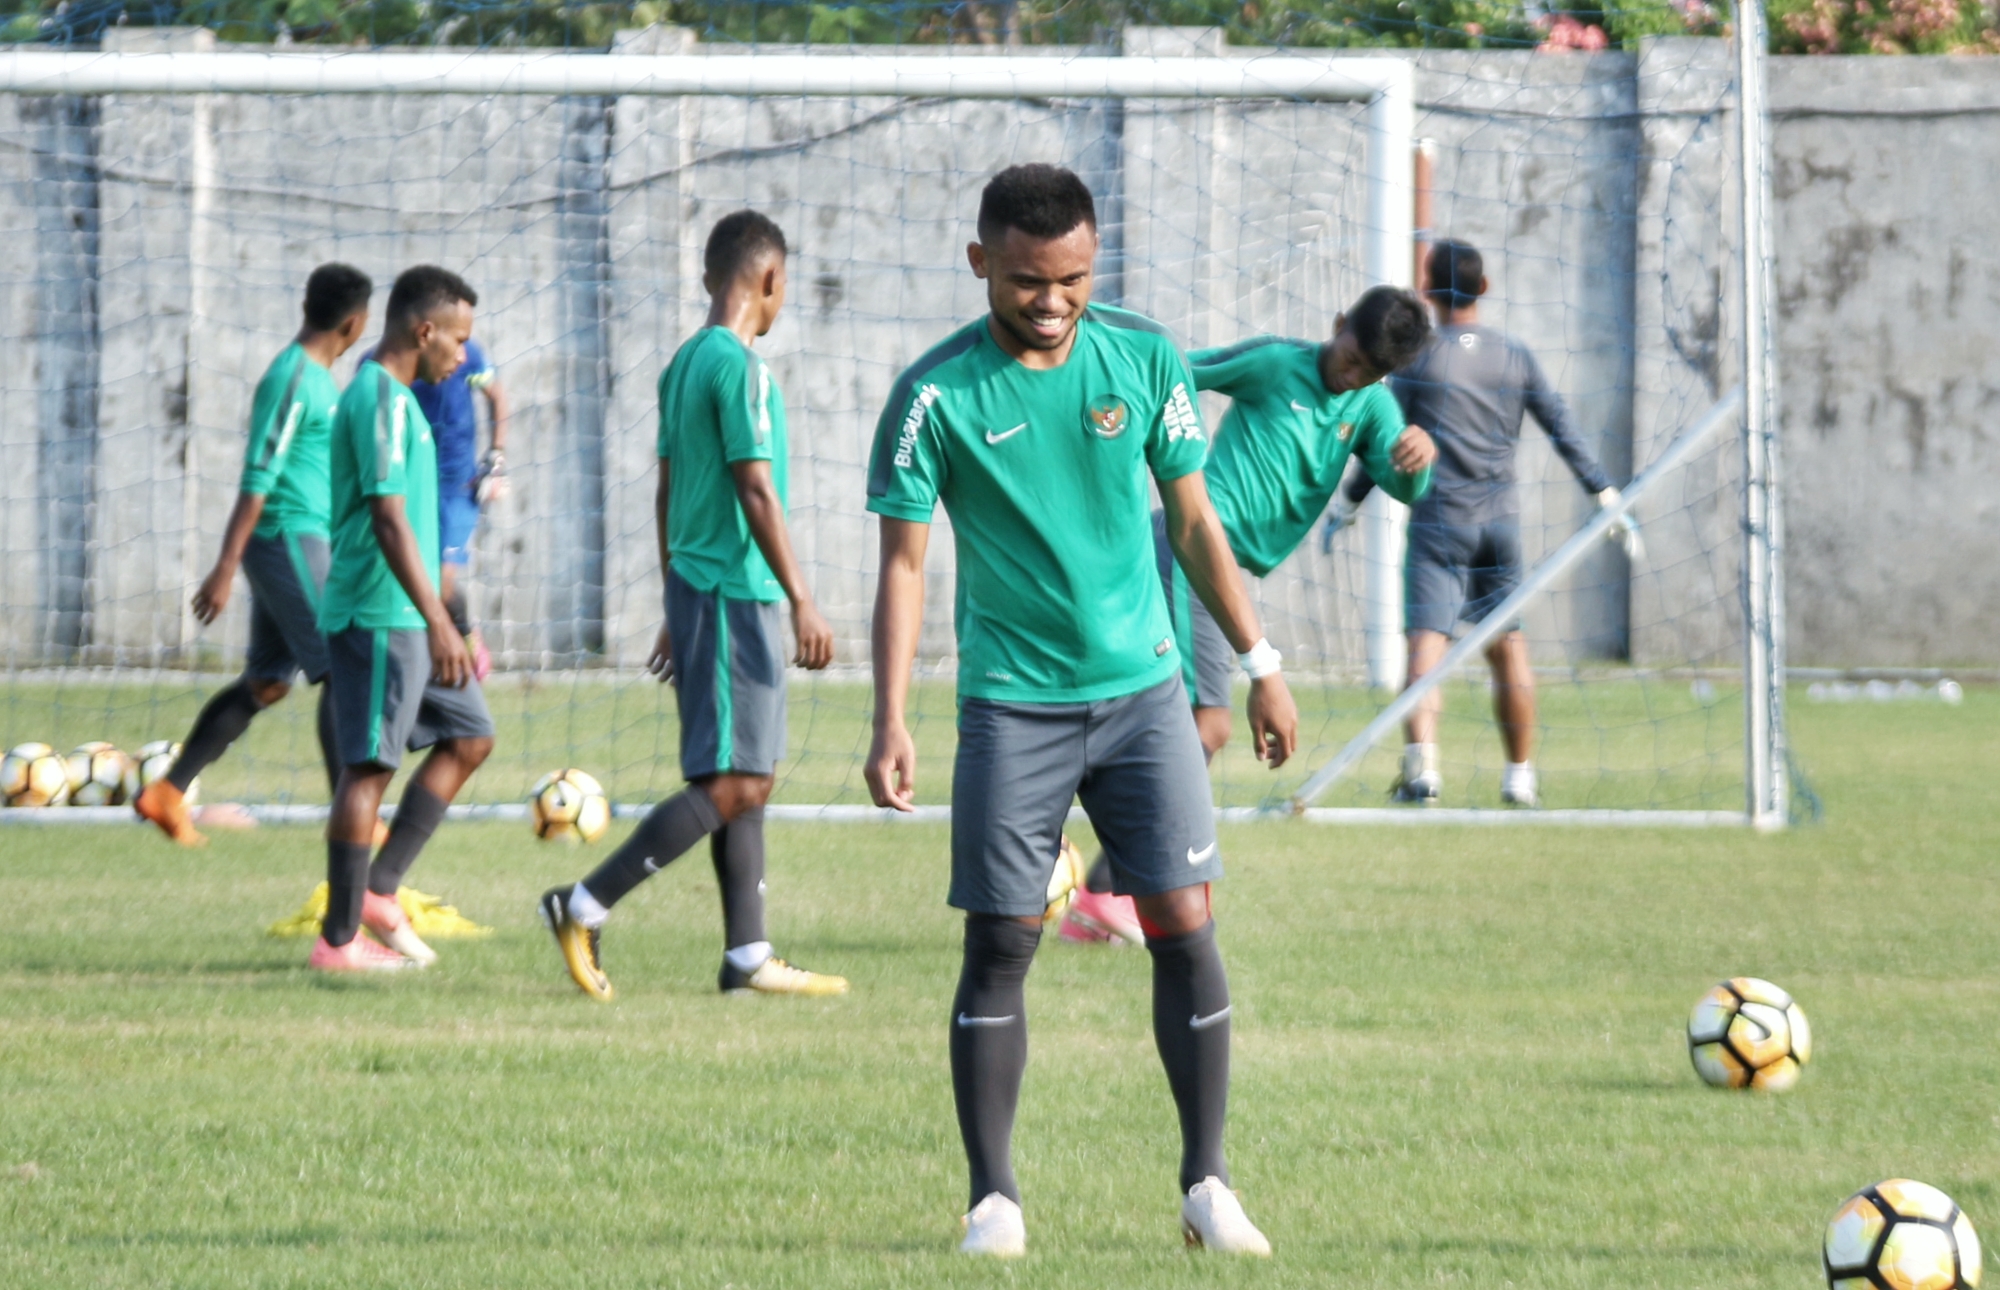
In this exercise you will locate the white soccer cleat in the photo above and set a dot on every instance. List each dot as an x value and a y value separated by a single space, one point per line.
1519 788
1213 1219
1422 789
994 1228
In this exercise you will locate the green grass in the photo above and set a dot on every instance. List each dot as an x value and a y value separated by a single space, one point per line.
1458 1060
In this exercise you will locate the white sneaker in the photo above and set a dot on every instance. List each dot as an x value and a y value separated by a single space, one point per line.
1518 786
1212 1218
1423 788
994 1228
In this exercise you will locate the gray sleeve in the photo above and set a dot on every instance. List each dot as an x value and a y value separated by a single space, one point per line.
1549 411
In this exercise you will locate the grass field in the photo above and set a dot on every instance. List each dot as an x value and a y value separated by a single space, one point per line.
1459 1060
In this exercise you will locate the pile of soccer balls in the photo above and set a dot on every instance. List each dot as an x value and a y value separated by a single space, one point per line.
93 774
1897 1235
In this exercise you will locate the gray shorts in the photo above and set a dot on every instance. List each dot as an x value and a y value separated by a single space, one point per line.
1135 761
1459 572
384 701
1208 664
286 575
729 680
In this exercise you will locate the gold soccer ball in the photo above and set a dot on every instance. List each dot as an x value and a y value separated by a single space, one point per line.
32 775
98 774
151 764
1064 883
569 805
1747 1033
1901 1235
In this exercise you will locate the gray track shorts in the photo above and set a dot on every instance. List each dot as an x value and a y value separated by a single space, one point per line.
385 703
1136 763
1459 572
286 575
1208 664
729 680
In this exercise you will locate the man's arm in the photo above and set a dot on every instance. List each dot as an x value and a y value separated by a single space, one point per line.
899 620
661 663
1552 414
451 663
765 515
1194 531
212 597
493 467
496 407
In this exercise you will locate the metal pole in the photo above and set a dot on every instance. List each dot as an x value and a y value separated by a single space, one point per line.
1388 259
1766 784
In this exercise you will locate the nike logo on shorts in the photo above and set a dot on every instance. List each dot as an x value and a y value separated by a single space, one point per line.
1005 434
970 1022
1203 1023
1196 857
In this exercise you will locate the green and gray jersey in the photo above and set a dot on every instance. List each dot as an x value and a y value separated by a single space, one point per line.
1281 447
1043 474
291 418
719 406
382 447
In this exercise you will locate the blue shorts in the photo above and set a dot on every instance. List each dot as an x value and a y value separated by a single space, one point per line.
1459 572
458 516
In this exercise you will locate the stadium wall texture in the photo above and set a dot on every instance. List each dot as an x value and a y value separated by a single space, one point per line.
163 243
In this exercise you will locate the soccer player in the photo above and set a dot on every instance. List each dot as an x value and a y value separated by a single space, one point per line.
728 563
1037 426
1299 409
277 535
466 480
1470 388
402 676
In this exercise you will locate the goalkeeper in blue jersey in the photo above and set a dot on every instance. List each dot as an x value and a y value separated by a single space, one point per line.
1299 409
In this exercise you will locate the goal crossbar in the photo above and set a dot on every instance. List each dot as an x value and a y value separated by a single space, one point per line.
1283 76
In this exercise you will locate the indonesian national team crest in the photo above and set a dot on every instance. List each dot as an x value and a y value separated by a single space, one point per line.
1346 431
1107 416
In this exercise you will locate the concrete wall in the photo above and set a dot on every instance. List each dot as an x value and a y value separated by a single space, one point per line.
164 244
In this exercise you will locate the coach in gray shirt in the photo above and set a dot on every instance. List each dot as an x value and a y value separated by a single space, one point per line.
1470 389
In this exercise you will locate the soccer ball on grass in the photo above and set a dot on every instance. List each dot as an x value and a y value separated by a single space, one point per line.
1747 1033
569 805
32 775
1901 1235
151 764
98 774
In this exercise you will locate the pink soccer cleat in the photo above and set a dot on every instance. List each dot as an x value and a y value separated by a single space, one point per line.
359 955
1095 916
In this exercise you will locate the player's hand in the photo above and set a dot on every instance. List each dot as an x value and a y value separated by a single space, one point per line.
1413 451
212 596
1274 720
451 661
661 664
892 767
1625 531
814 636
492 485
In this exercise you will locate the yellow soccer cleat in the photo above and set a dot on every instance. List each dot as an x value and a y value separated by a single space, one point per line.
775 976
577 943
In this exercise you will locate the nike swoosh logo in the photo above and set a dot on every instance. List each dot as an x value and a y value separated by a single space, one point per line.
969 1022
1196 857
1299 407
1005 434
1203 1023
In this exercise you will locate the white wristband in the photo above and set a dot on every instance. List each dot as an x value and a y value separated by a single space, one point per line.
1261 660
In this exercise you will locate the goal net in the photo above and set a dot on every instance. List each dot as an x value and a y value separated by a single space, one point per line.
170 197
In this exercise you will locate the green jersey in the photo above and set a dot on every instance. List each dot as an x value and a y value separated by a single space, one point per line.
382 447
1043 474
1281 447
291 418
719 406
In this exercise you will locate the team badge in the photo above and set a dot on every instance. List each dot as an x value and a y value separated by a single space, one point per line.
1346 431
1107 416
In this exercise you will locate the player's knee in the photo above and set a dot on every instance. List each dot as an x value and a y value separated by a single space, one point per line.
266 693
1174 913
1212 724
472 753
735 794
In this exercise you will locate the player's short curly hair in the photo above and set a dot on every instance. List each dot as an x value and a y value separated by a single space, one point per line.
737 239
1391 325
421 290
335 293
1040 200
1454 272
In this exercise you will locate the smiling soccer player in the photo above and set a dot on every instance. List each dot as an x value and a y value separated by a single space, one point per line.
1037 427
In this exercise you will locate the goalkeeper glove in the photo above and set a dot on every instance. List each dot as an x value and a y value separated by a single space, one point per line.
492 477
1625 529
1338 516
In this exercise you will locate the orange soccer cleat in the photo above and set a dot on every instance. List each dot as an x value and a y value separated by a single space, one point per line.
167 807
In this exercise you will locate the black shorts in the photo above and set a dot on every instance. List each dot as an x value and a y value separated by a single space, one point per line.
1459 572
286 574
729 680
385 703
1134 760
